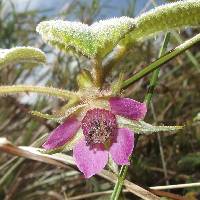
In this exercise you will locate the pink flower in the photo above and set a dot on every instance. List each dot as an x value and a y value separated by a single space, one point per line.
102 136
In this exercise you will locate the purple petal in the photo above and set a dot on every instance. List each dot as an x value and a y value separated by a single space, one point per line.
123 147
90 161
64 132
128 108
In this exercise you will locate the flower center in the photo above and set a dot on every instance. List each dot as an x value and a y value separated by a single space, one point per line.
99 125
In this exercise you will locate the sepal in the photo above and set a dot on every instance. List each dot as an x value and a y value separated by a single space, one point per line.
141 127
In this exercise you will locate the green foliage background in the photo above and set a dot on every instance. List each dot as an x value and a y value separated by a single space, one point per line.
176 101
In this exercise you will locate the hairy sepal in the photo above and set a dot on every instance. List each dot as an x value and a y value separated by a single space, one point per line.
141 127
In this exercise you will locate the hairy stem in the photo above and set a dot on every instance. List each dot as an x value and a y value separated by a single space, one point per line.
97 72
59 93
158 63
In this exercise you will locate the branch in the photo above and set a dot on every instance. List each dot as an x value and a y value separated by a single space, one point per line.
158 63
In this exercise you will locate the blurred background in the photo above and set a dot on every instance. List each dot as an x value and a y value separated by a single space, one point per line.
176 101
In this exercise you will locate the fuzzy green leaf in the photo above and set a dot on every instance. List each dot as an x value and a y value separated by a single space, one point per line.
92 41
179 14
21 55
141 127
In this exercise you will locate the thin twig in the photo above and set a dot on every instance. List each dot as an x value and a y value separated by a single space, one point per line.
161 61
93 194
167 187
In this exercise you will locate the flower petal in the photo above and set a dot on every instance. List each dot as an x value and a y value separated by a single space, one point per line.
62 133
89 160
123 147
128 108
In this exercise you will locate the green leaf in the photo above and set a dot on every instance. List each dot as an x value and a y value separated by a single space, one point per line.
21 55
141 127
163 18
92 41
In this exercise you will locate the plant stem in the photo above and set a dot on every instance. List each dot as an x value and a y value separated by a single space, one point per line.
154 77
158 63
124 168
63 94
97 72
118 187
